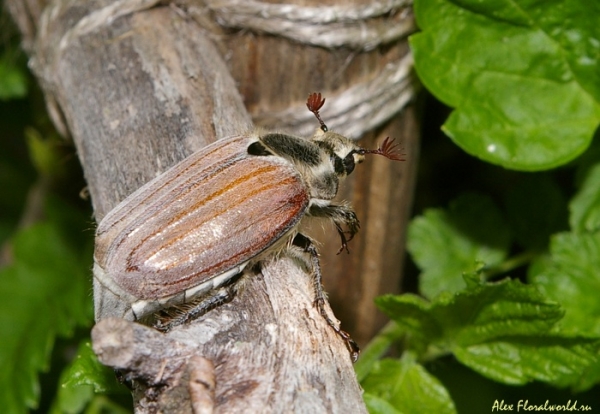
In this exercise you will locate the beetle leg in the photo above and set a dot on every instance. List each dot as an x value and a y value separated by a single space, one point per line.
341 215
343 239
307 245
168 319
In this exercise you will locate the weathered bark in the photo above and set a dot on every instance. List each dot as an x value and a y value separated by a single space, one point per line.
140 85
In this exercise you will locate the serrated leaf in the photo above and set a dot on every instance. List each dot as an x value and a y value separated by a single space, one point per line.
43 293
446 244
571 278
413 314
502 330
536 208
524 78
407 387
585 206
480 313
519 360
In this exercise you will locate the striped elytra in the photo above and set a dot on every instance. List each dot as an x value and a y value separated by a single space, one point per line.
219 209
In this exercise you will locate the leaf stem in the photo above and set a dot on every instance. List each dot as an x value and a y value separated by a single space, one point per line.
511 264
377 347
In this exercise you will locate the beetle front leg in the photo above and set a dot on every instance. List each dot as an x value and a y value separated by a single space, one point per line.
341 215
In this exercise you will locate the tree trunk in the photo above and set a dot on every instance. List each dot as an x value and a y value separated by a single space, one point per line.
140 85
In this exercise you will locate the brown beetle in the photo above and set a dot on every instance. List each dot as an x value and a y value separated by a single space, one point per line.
188 233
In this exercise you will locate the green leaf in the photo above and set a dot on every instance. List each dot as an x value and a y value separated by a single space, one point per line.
82 379
376 405
413 314
589 377
13 80
559 361
480 313
571 278
535 208
376 348
585 206
406 387
446 244
523 77
502 330
43 153
43 293
73 400
87 370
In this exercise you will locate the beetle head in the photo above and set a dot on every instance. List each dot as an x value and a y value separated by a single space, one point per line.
345 154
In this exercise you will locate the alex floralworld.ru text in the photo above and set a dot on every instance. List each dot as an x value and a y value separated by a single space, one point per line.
524 405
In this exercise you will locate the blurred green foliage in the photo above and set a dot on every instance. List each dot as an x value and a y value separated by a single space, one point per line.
46 244
504 271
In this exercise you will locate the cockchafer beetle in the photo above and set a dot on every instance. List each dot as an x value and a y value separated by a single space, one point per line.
186 235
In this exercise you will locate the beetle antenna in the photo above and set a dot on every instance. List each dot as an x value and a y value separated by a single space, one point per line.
388 149
314 103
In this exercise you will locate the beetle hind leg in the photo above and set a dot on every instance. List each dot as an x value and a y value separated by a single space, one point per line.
308 246
169 318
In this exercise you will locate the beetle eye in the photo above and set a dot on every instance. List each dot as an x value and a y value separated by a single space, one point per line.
349 163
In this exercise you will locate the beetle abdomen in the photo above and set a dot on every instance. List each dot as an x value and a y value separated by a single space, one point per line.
200 225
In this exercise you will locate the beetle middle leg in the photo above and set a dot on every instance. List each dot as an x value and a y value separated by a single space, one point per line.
307 245
341 215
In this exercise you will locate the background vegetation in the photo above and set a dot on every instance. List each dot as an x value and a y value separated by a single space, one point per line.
507 260
502 301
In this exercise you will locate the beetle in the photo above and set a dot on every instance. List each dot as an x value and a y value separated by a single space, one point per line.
188 234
